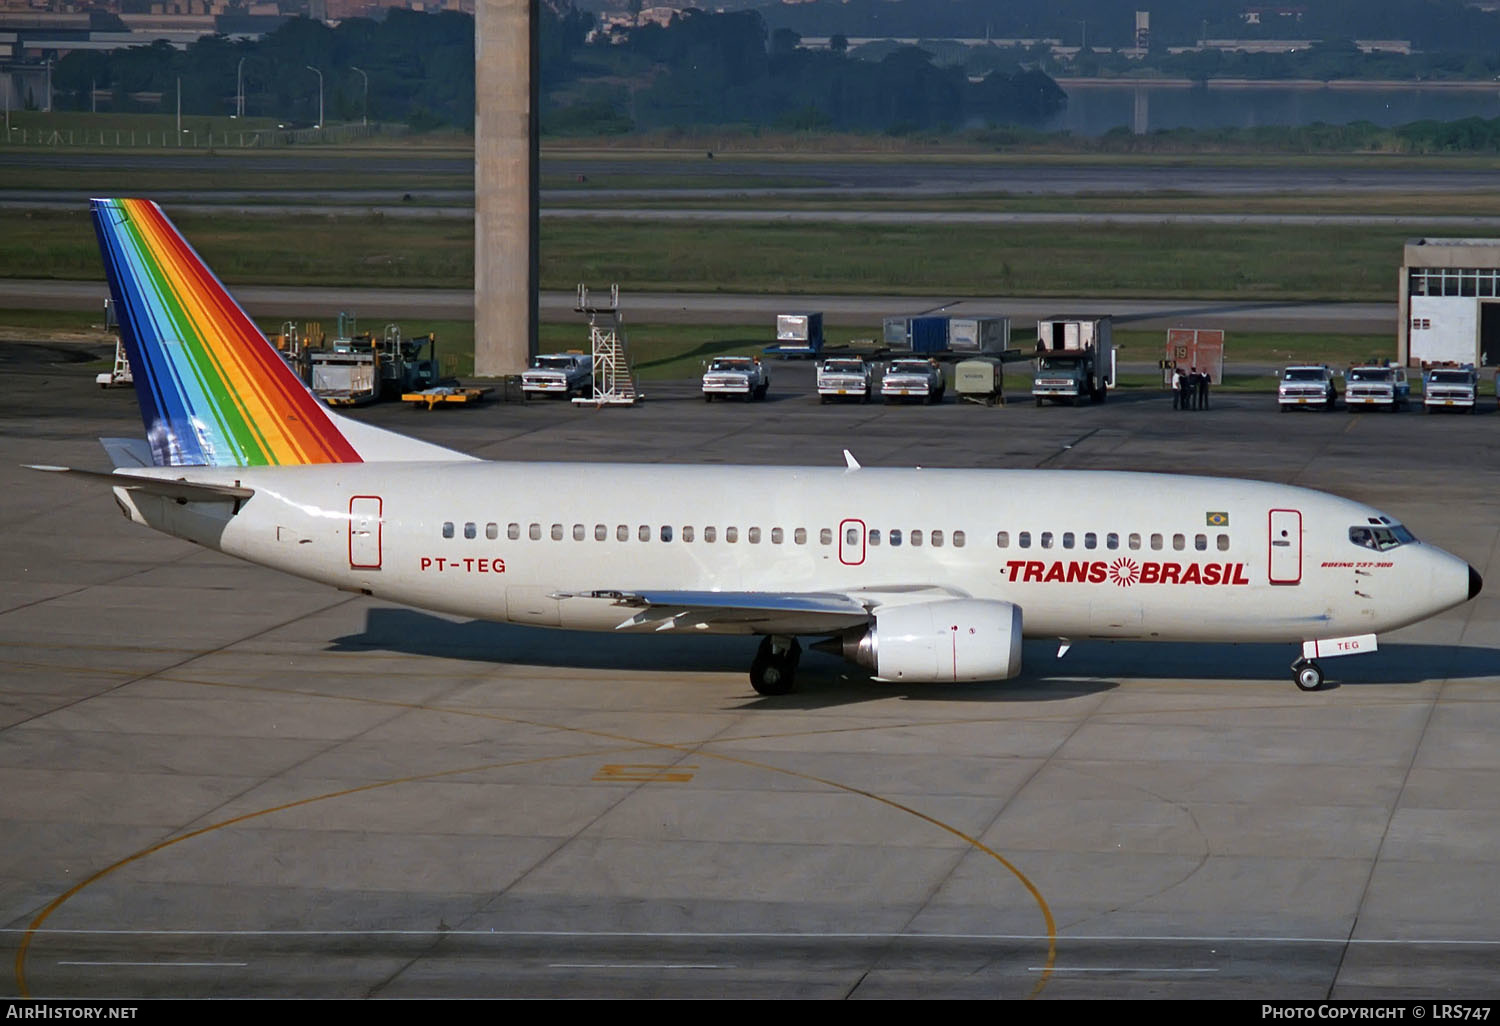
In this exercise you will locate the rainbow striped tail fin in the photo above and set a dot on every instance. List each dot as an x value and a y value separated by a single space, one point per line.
213 391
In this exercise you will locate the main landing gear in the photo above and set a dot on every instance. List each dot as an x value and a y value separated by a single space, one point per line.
1307 675
774 669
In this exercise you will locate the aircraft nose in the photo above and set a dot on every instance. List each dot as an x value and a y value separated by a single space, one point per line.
1476 583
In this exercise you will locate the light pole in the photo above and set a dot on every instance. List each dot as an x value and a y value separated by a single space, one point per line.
315 71
239 89
364 104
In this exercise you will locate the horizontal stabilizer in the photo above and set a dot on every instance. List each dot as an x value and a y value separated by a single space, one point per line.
187 491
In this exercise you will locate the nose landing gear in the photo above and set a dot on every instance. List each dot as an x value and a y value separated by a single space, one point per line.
1307 675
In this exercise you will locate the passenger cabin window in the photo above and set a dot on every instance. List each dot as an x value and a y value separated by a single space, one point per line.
1067 539
1024 539
470 531
776 536
825 536
1046 539
601 533
512 531
874 536
687 534
731 534
578 532
666 533
1200 542
643 533
622 532
1111 540
1223 543
492 531
800 536
1090 540
447 529
937 539
895 537
557 532
958 539
753 536
1135 541
534 532
1156 541
915 538
1002 540
1179 542
710 534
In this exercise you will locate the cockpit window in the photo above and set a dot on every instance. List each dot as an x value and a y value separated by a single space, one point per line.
1381 538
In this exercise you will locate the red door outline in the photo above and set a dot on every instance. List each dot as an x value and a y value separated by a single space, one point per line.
845 549
1284 546
360 513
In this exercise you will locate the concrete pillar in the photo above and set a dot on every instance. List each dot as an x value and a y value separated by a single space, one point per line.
505 186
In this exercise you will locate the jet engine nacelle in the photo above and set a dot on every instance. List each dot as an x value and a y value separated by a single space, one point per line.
961 639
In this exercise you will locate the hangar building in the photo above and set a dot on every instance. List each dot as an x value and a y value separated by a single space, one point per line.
1450 302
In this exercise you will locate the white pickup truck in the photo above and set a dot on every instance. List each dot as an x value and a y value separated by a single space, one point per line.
742 376
1306 385
1379 385
912 378
845 377
559 374
1450 388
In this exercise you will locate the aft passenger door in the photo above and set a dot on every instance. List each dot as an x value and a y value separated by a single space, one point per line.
1284 565
364 532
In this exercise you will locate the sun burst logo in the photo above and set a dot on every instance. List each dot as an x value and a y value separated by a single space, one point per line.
1124 572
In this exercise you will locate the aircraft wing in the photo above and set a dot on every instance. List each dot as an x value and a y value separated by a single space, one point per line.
753 612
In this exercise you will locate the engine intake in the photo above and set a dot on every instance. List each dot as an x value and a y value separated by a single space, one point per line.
955 640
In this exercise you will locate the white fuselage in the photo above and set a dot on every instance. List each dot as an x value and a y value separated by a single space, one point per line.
1082 553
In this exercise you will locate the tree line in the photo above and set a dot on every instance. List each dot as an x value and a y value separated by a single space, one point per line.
703 69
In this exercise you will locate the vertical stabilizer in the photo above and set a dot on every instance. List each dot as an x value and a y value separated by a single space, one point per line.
213 391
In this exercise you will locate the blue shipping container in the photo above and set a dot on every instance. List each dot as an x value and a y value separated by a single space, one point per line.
929 334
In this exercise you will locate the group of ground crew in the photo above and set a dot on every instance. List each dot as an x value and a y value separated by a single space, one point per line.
1189 389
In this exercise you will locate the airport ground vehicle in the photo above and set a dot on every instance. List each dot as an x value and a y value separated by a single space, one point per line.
912 378
1377 386
845 377
1450 387
742 376
561 374
1075 357
1306 385
980 380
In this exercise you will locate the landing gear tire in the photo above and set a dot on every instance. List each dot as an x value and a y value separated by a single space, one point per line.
1307 675
774 669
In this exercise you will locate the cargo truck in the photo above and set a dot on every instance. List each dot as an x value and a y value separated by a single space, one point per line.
1075 357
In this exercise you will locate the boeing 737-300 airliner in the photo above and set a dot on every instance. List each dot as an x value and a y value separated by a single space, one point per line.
918 575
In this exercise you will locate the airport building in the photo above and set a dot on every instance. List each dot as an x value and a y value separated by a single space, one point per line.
1449 307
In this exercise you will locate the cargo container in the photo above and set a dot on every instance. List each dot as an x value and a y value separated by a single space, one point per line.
978 334
929 334
797 334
